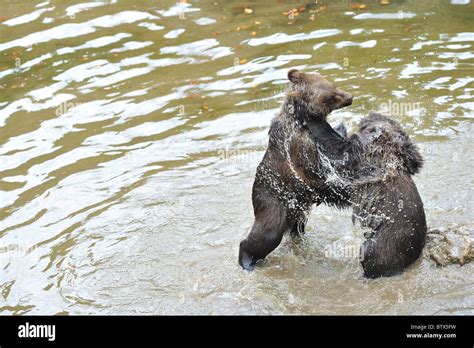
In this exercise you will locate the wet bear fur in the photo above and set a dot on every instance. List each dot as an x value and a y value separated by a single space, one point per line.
289 179
383 195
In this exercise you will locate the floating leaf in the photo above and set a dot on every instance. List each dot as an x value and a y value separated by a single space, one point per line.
358 6
194 95
293 12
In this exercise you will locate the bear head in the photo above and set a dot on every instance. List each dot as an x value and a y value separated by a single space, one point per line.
388 145
312 96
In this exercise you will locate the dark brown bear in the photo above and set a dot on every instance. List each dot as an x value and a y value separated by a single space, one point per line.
384 197
288 179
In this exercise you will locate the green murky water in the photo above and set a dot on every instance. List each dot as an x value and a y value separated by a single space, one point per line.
130 133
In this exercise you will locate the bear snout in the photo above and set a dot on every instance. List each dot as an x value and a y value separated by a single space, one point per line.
347 100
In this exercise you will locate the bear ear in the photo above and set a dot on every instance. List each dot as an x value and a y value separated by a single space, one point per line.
294 75
411 157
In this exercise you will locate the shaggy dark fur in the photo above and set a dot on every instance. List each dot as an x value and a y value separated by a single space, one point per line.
379 161
289 179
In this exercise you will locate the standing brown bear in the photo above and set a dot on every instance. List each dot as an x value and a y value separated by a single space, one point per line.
289 179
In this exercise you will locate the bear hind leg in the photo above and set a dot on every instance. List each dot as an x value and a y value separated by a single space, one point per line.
377 260
266 234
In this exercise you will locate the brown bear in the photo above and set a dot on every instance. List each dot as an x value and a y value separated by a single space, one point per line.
384 197
289 179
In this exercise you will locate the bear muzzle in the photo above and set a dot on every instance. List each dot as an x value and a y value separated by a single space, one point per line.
346 100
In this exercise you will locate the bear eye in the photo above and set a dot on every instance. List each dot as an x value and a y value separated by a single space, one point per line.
330 99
